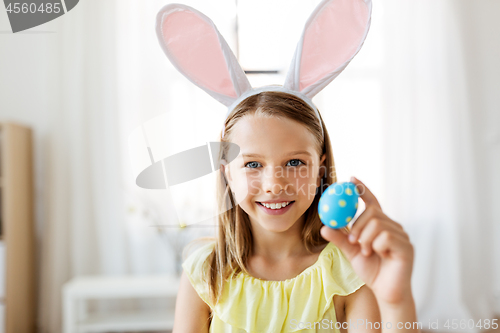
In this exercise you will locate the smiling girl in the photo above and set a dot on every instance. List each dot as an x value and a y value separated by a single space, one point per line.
273 267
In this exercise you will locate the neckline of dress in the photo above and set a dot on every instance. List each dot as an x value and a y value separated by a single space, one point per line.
305 271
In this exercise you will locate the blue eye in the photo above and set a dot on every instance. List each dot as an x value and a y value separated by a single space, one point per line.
252 163
296 160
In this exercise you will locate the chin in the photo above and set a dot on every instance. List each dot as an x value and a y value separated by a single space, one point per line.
276 227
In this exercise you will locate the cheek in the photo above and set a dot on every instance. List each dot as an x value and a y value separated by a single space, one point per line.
254 185
305 187
249 183
242 187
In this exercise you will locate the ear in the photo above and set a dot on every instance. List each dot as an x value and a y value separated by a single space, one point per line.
225 169
195 47
322 160
322 168
332 36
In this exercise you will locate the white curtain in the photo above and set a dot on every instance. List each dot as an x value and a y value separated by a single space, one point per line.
439 133
83 231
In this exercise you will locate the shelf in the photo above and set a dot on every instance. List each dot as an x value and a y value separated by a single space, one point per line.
128 321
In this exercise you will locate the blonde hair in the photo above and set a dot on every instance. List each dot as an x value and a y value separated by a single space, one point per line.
233 241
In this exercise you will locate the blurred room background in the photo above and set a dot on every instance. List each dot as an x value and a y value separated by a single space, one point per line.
416 116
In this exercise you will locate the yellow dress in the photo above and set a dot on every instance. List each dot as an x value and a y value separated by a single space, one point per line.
300 304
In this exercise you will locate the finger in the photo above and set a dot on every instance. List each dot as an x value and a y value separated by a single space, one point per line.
368 214
364 193
373 229
391 244
339 238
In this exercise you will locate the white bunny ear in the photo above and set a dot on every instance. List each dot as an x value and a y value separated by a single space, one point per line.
196 48
332 36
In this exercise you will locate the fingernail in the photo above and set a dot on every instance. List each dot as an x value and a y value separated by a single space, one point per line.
352 179
352 238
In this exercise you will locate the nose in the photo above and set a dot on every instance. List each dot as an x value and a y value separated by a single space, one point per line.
274 182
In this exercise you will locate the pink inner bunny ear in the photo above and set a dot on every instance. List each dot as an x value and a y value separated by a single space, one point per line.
332 36
195 47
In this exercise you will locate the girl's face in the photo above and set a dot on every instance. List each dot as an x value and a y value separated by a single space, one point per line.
279 164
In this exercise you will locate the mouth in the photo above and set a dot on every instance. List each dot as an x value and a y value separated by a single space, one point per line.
276 208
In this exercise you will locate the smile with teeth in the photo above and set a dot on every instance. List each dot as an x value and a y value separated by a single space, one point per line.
278 205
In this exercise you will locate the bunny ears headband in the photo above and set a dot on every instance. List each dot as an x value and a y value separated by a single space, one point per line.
332 36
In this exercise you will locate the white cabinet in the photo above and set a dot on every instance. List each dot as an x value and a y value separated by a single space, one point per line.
80 290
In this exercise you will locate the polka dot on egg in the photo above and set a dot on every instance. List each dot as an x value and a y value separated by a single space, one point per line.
325 208
356 205
333 223
348 191
331 191
320 216
342 203
356 189
348 219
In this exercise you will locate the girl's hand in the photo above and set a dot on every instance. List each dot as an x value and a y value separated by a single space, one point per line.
379 251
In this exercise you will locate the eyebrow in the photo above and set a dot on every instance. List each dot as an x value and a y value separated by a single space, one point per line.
298 152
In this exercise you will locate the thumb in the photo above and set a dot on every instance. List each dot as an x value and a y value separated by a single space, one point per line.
339 238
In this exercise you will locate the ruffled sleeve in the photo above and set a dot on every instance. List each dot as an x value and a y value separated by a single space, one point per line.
256 305
194 266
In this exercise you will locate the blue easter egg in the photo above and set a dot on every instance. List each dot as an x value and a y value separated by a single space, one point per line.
338 204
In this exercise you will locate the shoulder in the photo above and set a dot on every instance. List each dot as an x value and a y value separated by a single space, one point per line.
197 250
362 295
362 304
348 292
339 271
195 255
192 314
195 266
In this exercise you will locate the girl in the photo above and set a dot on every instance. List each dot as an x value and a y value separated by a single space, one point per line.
277 269
273 267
